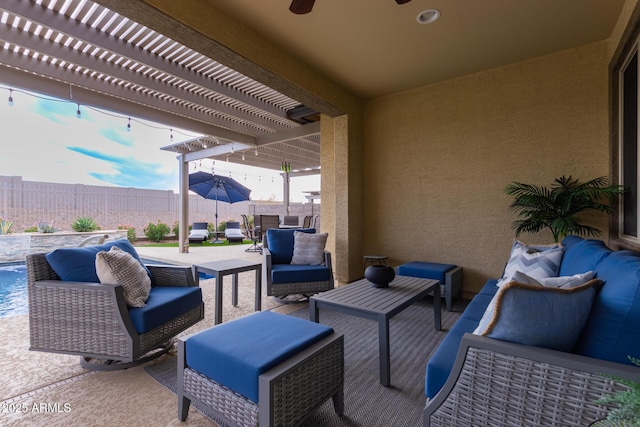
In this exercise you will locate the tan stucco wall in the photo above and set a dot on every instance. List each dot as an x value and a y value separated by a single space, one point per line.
421 173
437 158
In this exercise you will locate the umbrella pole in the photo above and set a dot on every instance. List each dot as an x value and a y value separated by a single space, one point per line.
216 240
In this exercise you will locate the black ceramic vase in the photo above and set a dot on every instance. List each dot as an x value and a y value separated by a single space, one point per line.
380 275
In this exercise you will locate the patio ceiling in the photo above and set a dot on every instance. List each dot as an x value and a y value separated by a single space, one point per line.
85 53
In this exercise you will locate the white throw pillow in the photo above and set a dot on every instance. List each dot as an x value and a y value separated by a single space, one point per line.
118 267
308 248
564 282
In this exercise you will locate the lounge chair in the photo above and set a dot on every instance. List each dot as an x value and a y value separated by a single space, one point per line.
199 232
233 233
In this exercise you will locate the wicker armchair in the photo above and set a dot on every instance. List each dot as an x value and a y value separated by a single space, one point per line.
92 319
498 383
283 279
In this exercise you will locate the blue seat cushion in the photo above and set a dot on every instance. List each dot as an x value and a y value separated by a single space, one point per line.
425 270
476 308
441 362
582 255
79 264
164 303
612 331
286 273
236 353
280 243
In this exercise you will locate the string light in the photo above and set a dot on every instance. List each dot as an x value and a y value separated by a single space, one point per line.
129 125
243 155
256 152
79 113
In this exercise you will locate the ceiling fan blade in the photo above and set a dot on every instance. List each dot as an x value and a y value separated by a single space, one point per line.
402 1
300 7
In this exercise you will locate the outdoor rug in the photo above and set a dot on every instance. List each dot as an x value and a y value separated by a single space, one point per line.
367 402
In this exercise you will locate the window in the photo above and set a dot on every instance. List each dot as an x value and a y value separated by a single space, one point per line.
628 150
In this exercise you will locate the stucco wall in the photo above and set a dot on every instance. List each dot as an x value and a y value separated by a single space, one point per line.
437 158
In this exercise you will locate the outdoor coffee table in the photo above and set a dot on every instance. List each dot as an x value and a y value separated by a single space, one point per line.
219 269
381 304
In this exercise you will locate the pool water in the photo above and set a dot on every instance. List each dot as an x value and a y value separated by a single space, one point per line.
13 290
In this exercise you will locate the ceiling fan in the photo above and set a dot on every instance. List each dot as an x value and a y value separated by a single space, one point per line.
300 7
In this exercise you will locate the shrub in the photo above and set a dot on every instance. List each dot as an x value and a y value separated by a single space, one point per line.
44 227
32 229
156 232
176 228
5 226
131 232
84 223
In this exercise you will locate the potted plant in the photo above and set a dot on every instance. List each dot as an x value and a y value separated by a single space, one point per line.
627 413
558 206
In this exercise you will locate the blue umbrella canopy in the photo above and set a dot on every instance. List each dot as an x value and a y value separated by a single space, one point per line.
218 188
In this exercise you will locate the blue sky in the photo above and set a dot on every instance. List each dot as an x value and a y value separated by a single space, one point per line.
43 140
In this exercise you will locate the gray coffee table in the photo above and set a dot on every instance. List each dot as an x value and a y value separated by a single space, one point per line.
362 300
219 269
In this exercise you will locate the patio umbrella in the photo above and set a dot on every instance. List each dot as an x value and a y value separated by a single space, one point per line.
218 188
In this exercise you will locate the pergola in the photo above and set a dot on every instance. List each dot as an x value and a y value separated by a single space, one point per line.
81 51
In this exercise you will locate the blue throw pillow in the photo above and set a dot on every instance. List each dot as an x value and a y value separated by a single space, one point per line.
538 315
79 264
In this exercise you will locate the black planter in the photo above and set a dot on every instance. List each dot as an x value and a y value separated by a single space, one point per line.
380 275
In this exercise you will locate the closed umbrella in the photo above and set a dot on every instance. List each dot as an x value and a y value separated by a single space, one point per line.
218 188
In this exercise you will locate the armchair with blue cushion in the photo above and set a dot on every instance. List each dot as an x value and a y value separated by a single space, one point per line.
72 312
282 278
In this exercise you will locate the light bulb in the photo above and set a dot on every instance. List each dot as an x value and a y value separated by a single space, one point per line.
78 113
129 125
10 97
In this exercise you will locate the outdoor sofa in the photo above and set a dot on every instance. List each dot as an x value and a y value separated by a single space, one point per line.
514 373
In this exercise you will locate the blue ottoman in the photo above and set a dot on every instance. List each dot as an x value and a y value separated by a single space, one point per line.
263 369
449 275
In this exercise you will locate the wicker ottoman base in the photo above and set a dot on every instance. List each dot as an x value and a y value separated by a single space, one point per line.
288 393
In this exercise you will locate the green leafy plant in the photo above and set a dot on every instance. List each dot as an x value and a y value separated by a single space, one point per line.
31 229
131 232
84 223
176 228
5 226
44 227
156 232
628 410
557 207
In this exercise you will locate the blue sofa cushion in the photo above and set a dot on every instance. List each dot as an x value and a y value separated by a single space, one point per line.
79 264
164 303
613 329
441 362
538 315
234 354
286 273
280 243
426 270
582 255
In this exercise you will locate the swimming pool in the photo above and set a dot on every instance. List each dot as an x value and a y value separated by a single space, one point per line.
13 288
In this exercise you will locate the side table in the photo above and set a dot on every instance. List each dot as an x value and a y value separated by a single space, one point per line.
219 269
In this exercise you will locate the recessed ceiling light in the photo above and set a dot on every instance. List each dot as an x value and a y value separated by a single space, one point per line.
428 16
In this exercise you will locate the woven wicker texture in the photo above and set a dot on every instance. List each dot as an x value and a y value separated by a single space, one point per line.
497 389
295 389
90 319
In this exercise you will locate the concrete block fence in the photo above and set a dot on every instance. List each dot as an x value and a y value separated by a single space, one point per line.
27 203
